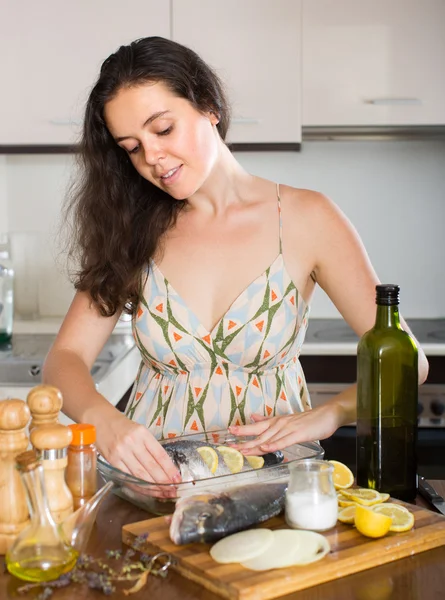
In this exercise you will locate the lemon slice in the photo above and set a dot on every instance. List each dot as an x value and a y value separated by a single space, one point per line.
364 496
209 456
233 459
256 462
383 497
347 515
371 523
402 519
343 501
342 477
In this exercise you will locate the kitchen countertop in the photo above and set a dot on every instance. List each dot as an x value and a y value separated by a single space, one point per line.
421 576
52 325
312 345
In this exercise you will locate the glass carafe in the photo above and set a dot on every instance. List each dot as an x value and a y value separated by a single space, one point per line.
311 499
38 553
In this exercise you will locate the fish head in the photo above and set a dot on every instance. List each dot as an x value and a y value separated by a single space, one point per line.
198 518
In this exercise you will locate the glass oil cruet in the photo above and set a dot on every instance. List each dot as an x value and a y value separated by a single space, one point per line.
38 553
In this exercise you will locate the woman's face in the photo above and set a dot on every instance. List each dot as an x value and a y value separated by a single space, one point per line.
169 142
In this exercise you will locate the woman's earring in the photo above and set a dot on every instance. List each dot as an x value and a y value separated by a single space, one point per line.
214 118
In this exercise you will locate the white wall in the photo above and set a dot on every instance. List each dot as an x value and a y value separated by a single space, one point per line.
35 187
393 192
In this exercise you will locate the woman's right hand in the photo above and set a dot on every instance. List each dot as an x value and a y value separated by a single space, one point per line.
131 447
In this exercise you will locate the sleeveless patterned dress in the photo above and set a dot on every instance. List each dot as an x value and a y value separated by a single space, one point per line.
191 379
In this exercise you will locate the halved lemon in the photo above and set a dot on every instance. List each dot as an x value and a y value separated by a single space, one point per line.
364 496
402 518
256 462
347 514
342 477
232 457
371 523
209 456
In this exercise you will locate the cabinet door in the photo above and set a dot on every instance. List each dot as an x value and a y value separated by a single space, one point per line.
51 53
373 62
254 45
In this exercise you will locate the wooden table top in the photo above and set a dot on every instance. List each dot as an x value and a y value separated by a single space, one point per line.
421 576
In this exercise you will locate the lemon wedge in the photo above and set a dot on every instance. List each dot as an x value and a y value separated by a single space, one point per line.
370 523
363 496
347 515
209 456
232 457
342 477
402 518
256 462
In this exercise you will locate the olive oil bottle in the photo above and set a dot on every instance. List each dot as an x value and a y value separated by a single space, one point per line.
387 395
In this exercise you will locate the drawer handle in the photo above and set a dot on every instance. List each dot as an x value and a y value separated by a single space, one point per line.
394 101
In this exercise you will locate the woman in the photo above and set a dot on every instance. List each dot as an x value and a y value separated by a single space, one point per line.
216 266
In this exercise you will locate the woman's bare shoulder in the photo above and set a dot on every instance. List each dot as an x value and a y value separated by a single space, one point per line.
311 209
305 199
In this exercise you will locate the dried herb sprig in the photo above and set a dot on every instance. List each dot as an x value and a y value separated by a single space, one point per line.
101 575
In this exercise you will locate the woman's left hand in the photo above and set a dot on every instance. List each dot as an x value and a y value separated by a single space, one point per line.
277 433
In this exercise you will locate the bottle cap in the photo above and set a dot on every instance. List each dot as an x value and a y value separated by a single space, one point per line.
83 434
387 294
28 461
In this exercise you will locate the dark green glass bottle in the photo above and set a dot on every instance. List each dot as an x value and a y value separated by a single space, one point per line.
387 394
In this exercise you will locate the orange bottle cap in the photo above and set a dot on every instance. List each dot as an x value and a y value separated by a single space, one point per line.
83 434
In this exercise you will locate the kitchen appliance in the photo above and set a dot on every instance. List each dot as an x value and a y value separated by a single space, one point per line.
160 498
113 372
329 364
21 360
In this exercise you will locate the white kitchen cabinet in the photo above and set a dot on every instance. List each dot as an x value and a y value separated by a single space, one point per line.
255 47
51 52
376 62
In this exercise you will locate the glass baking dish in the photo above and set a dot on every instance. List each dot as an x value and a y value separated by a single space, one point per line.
160 498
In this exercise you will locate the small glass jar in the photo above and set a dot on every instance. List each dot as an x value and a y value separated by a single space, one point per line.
6 291
311 499
80 473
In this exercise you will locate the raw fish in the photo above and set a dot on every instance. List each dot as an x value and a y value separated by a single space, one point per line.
210 517
192 467
189 462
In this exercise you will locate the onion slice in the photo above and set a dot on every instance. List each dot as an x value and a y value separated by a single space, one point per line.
242 546
288 548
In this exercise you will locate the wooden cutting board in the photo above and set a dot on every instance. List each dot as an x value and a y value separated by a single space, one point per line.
350 552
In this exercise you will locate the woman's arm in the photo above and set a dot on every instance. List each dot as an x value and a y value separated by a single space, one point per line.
124 443
342 269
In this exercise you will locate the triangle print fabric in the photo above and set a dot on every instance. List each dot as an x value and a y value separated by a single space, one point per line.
192 380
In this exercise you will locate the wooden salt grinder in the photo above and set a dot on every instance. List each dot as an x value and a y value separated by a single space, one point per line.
45 403
53 442
14 515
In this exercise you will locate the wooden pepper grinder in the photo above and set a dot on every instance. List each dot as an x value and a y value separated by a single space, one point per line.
14 516
45 403
53 441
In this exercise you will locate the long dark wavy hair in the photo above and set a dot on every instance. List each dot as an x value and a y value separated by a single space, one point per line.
116 217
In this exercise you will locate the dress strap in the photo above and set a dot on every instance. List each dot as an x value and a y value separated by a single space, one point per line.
279 216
